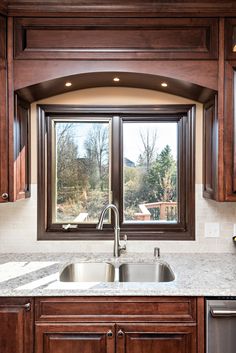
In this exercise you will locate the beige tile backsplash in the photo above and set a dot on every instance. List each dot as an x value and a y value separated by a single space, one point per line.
18 231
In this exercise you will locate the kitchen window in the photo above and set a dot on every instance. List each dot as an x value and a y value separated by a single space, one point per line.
139 157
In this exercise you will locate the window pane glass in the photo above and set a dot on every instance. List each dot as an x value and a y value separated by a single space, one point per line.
82 177
150 172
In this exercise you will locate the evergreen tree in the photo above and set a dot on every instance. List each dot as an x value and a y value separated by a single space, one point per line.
162 177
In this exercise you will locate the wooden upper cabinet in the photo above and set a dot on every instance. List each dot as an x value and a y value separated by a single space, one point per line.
4 192
230 38
210 149
14 127
16 325
21 166
230 133
116 38
229 111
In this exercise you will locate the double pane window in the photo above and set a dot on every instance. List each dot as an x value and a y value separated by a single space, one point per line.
142 161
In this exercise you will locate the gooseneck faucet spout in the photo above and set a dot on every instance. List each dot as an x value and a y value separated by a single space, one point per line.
117 246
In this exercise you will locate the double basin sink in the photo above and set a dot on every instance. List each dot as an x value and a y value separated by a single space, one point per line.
128 272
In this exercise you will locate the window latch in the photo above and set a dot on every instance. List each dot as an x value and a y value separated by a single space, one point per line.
69 226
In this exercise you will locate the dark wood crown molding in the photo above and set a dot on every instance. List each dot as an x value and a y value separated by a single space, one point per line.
147 8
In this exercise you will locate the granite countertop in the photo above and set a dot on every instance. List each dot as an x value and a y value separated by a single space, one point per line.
196 275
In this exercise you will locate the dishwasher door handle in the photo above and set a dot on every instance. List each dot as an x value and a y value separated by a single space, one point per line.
217 312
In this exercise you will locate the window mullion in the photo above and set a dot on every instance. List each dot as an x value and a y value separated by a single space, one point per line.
116 163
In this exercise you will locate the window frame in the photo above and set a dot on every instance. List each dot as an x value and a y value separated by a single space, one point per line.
185 114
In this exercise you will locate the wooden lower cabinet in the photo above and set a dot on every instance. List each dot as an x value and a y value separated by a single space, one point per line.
75 338
119 325
16 325
145 338
95 338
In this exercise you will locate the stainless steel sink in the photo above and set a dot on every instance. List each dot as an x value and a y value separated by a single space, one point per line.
88 272
146 272
105 272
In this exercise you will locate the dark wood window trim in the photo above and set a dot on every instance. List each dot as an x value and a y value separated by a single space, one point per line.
184 114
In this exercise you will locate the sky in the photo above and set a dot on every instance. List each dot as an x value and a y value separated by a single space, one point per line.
166 133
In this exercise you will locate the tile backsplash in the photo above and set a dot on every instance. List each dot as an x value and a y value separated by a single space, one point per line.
18 231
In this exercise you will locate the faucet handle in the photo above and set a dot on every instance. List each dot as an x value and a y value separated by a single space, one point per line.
157 253
123 247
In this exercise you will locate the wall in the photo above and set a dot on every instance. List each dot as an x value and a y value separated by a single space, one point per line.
214 221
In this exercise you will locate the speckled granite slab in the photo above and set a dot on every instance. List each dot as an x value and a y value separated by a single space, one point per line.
196 275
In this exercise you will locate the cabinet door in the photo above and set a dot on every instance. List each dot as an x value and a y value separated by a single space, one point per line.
16 325
159 338
230 133
74 338
14 131
21 149
3 115
210 149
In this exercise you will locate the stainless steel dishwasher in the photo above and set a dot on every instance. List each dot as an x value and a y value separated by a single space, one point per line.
221 325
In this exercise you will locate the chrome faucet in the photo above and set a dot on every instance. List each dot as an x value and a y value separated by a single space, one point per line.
117 246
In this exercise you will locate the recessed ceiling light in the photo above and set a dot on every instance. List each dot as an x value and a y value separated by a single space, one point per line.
116 79
164 84
68 84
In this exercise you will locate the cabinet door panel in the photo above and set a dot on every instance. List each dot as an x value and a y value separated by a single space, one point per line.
121 38
11 321
230 134
74 343
156 338
21 149
3 115
210 149
116 309
16 326
74 338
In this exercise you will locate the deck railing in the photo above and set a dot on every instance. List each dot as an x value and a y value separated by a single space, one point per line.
166 211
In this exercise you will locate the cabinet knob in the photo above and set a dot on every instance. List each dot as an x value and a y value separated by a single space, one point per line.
120 334
5 196
27 306
110 334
